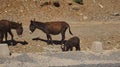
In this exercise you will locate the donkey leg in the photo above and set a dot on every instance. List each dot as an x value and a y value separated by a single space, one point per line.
0 40
63 35
1 37
67 48
13 42
5 36
49 39
71 48
11 35
77 47
63 38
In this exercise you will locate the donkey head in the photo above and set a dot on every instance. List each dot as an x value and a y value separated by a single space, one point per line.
19 29
32 26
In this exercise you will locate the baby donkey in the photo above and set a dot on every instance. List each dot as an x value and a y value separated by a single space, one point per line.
72 42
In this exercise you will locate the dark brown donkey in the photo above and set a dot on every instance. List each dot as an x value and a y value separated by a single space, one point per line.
53 28
6 26
70 43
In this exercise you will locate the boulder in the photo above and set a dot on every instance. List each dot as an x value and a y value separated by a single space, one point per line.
97 47
4 50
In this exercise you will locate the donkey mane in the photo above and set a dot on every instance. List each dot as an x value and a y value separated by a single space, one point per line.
13 25
39 25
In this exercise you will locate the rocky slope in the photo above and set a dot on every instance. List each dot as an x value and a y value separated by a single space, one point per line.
92 10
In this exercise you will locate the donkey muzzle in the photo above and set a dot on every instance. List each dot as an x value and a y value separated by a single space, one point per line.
20 36
30 32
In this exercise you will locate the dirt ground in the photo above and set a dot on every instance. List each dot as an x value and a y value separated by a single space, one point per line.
108 34
95 20
108 58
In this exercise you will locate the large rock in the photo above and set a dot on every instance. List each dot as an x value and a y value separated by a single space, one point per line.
97 47
4 50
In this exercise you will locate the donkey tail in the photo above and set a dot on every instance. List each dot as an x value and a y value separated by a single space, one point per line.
70 30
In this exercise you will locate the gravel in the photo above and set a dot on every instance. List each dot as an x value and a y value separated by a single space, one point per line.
63 59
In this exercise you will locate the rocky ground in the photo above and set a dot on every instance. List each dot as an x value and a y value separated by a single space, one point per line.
37 53
92 10
63 59
108 34
96 20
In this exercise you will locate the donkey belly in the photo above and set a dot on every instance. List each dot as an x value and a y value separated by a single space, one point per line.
54 32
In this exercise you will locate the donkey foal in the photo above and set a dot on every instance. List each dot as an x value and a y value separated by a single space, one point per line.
72 42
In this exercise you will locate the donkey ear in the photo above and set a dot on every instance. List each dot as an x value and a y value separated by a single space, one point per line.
31 21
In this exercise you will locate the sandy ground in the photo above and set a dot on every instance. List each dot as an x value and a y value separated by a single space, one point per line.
108 34
36 53
104 26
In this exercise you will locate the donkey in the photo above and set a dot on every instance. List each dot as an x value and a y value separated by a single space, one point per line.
7 25
49 28
70 43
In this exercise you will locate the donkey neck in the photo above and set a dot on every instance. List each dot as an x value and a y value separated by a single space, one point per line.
13 25
39 25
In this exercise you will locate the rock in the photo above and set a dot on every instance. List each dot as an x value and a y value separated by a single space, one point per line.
69 2
56 3
75 7
116 14
97 47
24 57
85 17
4 50
46 3
101 6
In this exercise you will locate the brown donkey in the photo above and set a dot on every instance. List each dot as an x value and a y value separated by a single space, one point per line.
53 28
6 26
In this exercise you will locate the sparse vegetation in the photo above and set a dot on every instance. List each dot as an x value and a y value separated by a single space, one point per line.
78 1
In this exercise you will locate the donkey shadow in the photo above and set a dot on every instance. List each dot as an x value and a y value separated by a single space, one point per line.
56 42
14 43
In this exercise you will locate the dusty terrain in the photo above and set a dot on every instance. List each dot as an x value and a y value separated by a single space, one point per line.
95 20
108 58
108 34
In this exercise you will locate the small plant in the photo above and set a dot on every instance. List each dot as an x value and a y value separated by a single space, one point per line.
78 1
